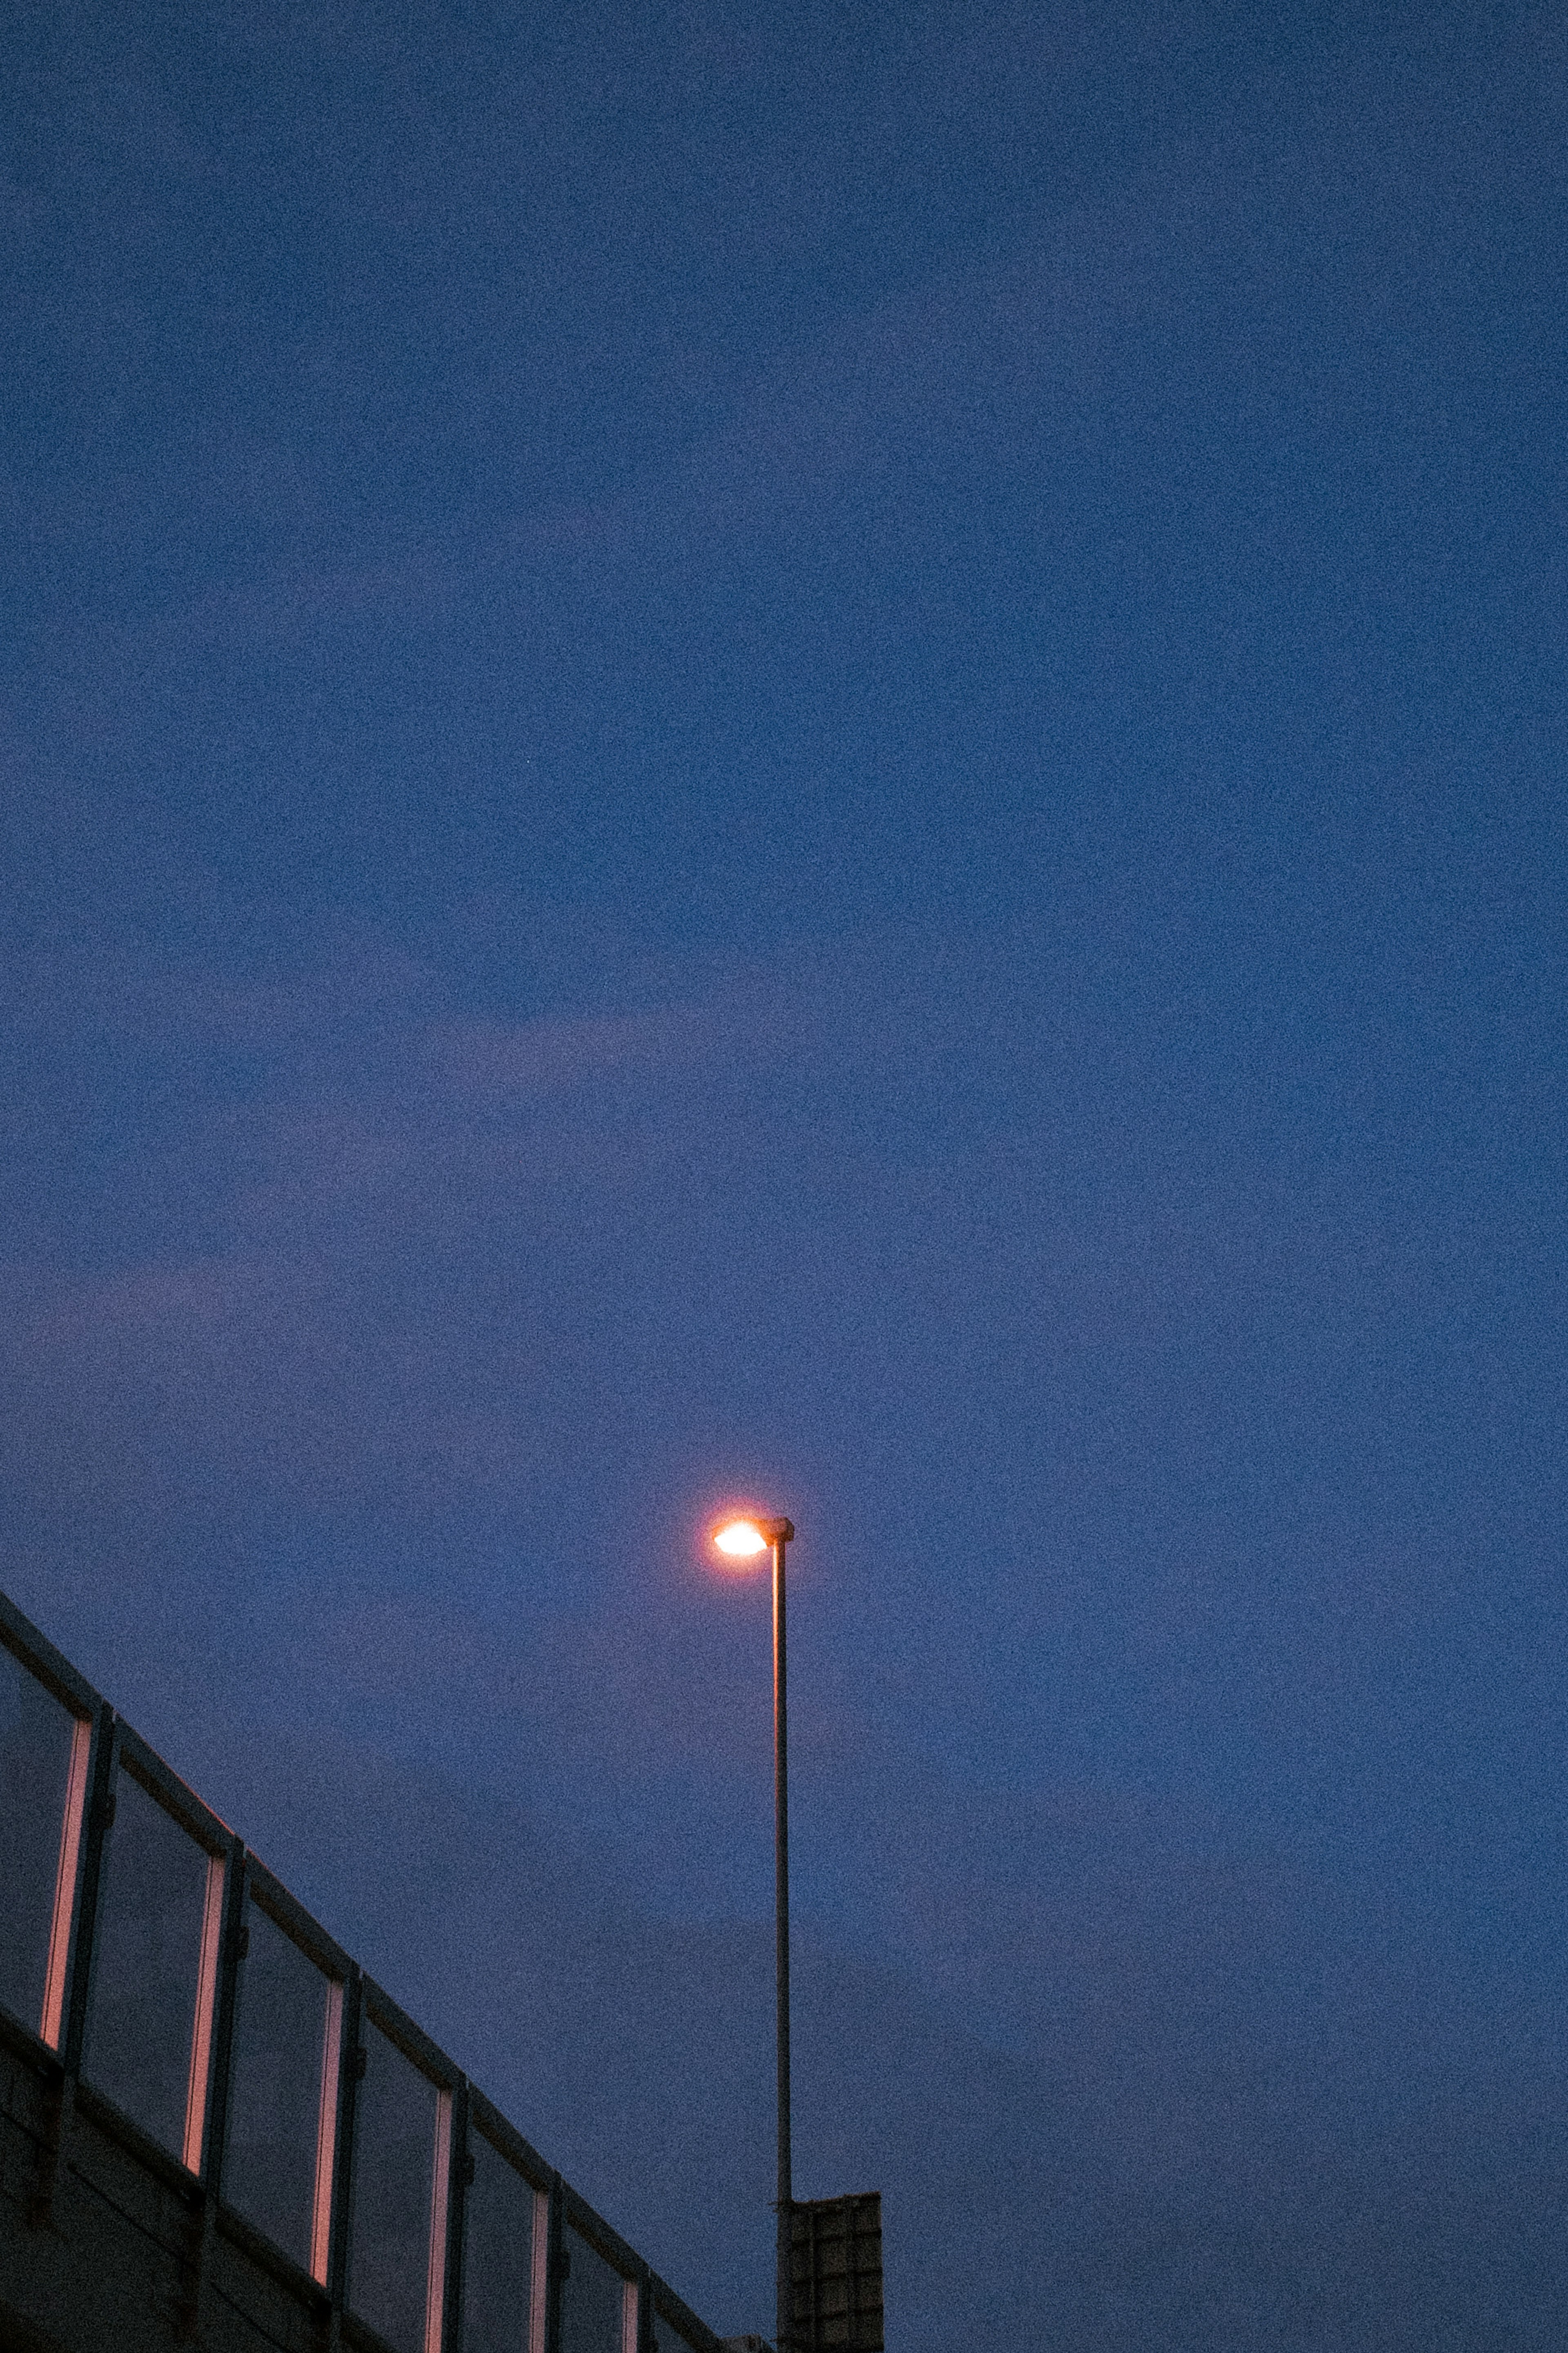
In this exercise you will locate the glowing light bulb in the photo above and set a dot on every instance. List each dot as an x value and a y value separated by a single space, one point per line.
742 1539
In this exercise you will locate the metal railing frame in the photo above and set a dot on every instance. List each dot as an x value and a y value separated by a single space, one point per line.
115 1749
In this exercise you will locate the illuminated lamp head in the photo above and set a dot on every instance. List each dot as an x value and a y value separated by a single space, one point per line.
743 1540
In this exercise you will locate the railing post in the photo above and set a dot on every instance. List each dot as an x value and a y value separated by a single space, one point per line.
555 2268
79 1983
351 2061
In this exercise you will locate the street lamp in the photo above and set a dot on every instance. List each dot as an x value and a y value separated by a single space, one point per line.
744 1540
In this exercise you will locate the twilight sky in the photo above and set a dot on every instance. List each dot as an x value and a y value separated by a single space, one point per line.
817 751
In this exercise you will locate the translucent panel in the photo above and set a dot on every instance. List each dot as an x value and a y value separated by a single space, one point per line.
497 2255
281 2104
394 2194
669 2338
153 1940
593 2300
36 1740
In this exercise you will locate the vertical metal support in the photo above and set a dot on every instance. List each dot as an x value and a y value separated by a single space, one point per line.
345 2100
198 2080
211 2054
329 2110
539 2281
232 1952
440 2196
555 2266
463 2171
75 1962
781 1934
99 1810
51 2022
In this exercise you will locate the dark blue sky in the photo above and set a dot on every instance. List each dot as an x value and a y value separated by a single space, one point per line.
820 752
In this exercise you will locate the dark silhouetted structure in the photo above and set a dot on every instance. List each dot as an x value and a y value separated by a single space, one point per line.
836 2274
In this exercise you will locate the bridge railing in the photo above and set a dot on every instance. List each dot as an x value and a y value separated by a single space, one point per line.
190 2005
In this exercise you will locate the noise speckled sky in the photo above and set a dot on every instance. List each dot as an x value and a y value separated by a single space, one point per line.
819 754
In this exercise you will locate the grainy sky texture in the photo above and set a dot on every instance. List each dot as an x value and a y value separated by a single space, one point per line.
819 751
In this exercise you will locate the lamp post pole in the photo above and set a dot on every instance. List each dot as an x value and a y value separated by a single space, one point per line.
852 2250
779 1532
748 1539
